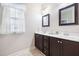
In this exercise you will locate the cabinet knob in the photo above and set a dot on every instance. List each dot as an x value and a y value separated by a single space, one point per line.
61 42
58 41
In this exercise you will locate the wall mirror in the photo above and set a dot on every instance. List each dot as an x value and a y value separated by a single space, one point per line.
46 20
68 15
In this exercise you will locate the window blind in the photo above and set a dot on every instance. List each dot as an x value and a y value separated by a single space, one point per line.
13 20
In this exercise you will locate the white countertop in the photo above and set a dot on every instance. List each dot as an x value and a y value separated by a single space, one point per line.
67 37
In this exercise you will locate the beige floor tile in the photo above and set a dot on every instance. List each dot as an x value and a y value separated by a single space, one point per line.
28 52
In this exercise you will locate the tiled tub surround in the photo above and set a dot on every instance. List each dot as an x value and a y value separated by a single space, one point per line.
73 36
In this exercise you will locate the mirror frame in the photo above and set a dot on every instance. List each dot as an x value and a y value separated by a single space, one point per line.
47 15
76 14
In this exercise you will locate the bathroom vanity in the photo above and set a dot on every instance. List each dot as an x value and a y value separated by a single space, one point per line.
57 45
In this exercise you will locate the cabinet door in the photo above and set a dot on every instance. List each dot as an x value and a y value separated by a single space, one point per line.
46 45
70 48
55 47
39 41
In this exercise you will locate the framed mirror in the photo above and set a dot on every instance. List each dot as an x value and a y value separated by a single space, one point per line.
68 15
46 20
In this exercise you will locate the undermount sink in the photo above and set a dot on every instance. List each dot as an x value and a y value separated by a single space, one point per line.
60 34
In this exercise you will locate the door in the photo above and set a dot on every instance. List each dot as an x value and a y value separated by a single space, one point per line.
55 47
70 48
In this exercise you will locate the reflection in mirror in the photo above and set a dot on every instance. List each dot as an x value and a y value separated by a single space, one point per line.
68 15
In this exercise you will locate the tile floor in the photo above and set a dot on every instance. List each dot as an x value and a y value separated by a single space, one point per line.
28 52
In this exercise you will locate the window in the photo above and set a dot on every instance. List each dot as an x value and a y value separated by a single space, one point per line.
13 20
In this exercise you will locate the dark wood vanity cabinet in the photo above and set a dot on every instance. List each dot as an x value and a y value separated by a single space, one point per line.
42 43
63 47
39 41
46 45
55 47
52 46
70 48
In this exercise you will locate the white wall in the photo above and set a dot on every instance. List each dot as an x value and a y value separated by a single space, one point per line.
15 42
54 20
